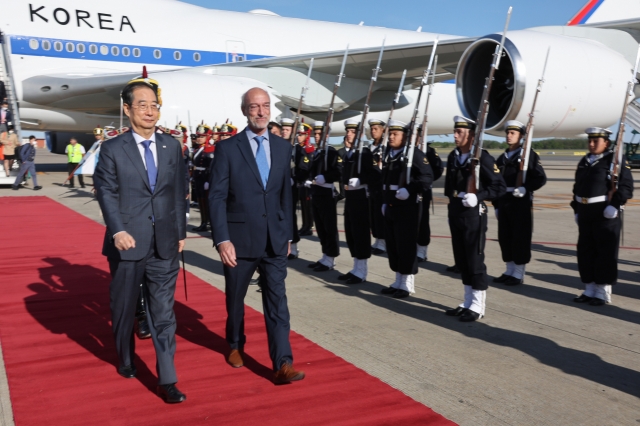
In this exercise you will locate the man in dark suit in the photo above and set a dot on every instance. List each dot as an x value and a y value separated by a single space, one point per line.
6 118
251 222
140 187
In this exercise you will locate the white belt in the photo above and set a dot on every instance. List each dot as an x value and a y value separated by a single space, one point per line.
200 168
355 188
391 187
592 200
325 185
510 189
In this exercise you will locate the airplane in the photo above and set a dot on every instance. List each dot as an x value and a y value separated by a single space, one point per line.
65 62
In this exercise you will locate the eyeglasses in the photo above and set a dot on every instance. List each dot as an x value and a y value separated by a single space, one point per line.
144 107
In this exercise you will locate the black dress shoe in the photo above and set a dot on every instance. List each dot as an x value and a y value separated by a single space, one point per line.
470 316
345 277
254 281
201 228
314 265
305 232
420 259
354 280
377 251
511 281
170 394
292 256
128 371
37 188
502 278
388 290
455 312
141 327
322 268
400 294
453 269
597 302
583 298
15 188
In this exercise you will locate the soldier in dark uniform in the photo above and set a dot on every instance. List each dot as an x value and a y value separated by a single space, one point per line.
323 204
375 188
275 128
356 206
301 163
514 209
401 208
305 194
424 234
468 218
286 124
201 162
598 215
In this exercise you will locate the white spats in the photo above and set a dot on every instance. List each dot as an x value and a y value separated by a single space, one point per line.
327 261
510 268
407 283
602 291
518 271
478 301
396 283
360 268
294 249
422 252
590 289
468 297
380 245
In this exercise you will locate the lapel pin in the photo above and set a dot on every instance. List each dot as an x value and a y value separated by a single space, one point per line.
164 146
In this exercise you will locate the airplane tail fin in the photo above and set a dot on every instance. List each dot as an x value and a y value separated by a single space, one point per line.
600 11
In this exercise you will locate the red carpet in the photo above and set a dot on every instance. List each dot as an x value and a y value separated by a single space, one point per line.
60 357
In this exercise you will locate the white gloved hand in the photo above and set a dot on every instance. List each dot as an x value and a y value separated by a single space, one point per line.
610 212
292 182
353 182
384 208
308 183
496 211
320 180
470 200
206 186
461 194
575 217
402 194
519 192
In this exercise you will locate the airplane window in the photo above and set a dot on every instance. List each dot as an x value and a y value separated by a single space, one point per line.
115 50
46 44
70 47
126 51
239 58
93 49
80 48
57 46
157 54
177 55
196 57
104 50
33 43
136 52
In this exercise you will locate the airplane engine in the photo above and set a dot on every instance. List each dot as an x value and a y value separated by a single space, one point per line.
585 82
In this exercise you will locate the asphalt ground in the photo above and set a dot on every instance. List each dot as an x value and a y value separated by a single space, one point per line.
537 358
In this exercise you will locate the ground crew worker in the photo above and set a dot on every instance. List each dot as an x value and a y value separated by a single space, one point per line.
74 152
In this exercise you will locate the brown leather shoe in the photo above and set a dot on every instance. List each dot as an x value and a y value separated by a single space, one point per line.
235 358
287 374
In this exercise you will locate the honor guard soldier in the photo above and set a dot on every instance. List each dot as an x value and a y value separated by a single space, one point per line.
468 217
226 131
323 204
424 234
287 127
301 163
318 127
598 215
401 208
201 161
356 206
375 188
275 128
514 209
304 192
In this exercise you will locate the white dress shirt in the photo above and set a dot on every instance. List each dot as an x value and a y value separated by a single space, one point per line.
152 146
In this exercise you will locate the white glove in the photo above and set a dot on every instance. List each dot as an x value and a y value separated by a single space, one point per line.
402 194
353 182
575 217
470 200
497 218
308 183
610 212
461 194
206 186
384 208
292 182
519 192
320 180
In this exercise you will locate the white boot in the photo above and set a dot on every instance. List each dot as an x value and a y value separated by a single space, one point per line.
510 267
422 253
327 261
518 271
478 303
407 283
360 268
294 249
396 283
603 291
590 290
468 297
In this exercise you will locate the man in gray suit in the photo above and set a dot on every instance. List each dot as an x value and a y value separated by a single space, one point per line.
251 215
140 187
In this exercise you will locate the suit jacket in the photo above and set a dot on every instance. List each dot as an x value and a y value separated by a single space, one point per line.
9 117
242 211
128 204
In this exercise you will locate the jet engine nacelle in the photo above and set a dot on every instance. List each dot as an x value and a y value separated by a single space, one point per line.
585 82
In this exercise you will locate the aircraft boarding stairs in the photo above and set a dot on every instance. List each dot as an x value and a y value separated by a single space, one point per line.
6 76
633 115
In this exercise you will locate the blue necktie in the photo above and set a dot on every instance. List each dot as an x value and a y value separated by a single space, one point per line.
152 170
261 159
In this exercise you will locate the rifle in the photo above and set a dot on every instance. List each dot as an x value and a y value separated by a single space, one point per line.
296 123
326 131
425 118
413 128
385 137
526 149
365 111
476 149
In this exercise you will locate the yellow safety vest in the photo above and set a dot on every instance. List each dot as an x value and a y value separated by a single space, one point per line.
74 153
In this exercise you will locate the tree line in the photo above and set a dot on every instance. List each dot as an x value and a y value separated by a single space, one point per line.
555 143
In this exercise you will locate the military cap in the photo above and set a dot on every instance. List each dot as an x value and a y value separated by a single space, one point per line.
304 128
98 131
398 125
514 125
460 122
598 132
287 122
318 125
203 129
376 121
351 123
181 127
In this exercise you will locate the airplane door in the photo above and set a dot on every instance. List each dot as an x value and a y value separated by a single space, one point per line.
235 51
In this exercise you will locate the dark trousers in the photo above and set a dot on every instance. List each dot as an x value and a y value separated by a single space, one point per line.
598 244
377 219
468 237
400 236
159 278
424 234
325 215
515 226
273 271
70 168
305 208
356 223
295 192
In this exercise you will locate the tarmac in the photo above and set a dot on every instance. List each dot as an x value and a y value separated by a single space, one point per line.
537 358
